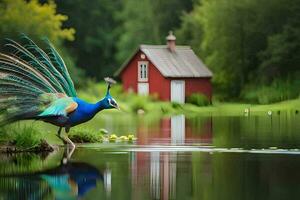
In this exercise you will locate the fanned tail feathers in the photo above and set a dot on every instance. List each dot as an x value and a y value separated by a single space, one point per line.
30 80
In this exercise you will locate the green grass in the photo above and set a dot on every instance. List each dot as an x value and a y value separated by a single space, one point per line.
198 99
277 91
22 136
83 135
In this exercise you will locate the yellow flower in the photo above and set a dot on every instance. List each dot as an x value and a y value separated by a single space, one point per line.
131 137
112 137
124 138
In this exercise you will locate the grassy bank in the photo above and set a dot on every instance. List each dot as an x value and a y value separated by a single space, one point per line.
23 138
134 104
30 136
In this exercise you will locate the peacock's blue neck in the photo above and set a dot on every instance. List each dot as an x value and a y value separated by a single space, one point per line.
100 105
85 111
89 108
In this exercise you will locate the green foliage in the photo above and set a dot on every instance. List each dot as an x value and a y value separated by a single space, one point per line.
136 26
176 105
33 19
81 135
275 92
38 21
281 57
96 34
138 103
191 30
84 135
147 22
107 32
198 99
23 137
244 41
28 137
77 74
93 91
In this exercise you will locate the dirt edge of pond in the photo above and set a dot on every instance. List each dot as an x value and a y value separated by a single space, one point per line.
44 146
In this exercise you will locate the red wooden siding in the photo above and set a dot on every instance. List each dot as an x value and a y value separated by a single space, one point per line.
158 84
198 85
129 74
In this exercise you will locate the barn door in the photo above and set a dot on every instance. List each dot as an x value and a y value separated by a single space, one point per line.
143 88
177 91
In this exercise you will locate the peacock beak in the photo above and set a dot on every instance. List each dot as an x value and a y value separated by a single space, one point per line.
115 105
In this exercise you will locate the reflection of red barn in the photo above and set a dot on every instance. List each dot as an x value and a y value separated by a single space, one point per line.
176 130
171 72
158 168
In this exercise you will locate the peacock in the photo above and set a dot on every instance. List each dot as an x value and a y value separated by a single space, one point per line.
35 85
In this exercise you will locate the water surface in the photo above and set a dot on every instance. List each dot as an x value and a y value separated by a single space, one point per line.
247 157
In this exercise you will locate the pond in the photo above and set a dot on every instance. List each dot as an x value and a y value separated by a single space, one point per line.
178 157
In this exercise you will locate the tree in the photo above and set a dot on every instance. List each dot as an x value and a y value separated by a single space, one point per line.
148 22
244 41
37 21
138 26
281 58
96 34
190 31
34 19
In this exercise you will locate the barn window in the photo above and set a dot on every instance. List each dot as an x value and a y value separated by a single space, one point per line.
143 71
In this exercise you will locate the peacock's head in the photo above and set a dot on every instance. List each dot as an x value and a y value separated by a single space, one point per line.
111 103
109 100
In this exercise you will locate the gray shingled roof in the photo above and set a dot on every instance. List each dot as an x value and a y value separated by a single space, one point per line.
181 63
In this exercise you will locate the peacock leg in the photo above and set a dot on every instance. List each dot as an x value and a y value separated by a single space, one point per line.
67 139
59 132
68 151
60 136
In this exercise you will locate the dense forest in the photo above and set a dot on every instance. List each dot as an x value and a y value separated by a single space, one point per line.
252 46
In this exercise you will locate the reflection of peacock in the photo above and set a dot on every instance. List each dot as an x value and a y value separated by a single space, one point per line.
72 180
35 84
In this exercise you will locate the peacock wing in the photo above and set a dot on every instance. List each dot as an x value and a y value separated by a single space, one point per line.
56 105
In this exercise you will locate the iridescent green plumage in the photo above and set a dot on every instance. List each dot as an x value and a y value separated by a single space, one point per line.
27 75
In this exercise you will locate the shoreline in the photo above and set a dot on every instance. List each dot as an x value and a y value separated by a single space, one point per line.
43 147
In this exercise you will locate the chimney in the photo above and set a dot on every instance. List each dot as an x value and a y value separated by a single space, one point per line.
171 41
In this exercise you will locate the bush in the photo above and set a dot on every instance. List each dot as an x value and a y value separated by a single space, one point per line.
139 102
22 137
85 136
27 137
198 99
176 105
278 90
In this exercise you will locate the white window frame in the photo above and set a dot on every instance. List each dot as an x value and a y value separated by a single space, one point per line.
143 74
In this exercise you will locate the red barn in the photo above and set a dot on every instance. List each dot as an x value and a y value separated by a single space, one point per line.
171 72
